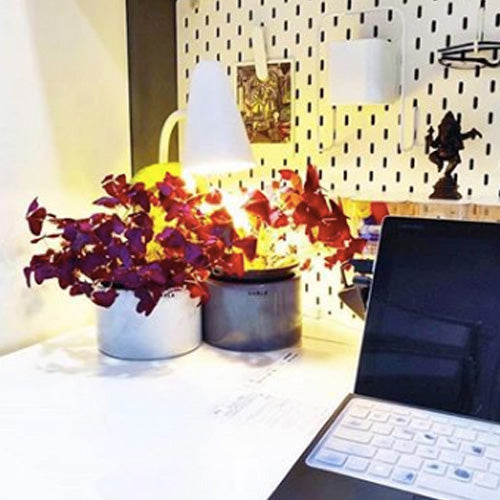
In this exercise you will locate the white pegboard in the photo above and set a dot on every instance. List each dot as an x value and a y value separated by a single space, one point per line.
365 161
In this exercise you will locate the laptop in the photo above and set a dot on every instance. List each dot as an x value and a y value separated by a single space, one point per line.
424 419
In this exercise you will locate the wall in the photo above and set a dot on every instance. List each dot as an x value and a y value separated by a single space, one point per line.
365 161
152 76
63 126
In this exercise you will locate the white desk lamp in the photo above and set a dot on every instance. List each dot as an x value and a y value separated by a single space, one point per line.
215 139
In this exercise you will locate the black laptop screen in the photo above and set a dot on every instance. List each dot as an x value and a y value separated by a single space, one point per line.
432 335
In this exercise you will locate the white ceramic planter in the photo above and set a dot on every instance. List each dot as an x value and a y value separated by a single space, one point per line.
172 329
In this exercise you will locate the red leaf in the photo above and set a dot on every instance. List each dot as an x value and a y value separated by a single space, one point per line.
306 265
379 211
221 217
303 215
312 180
333 232
357 245
316 203
293 177
248 245
198 290
278 219
336 211
258 205
214 198
331 261
234 264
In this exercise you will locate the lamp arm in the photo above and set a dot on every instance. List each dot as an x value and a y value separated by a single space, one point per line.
166 132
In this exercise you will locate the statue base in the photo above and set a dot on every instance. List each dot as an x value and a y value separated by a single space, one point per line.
446 188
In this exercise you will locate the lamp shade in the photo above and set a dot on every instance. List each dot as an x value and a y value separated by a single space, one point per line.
215 139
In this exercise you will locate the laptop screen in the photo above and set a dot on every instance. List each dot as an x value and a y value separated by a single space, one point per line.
432 334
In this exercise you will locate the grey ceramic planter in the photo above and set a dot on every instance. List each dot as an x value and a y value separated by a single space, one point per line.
253 315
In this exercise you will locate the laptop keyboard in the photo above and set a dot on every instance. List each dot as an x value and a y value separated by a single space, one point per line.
420 451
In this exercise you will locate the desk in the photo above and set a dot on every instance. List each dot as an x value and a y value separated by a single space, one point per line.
76 425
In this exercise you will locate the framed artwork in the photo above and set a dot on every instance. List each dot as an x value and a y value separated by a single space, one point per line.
266 105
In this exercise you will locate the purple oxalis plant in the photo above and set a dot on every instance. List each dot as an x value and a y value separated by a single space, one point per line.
119 249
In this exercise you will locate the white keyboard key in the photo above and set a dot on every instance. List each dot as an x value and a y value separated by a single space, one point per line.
410 462
420 425
357 464
451 457
475 449
380 470
488 439
404 476
332 458
352 435
427 452
465 434
493 453
424 415
383 442
461 422
356 423
443 429
401 410
387 456
360 450
384 429
481 426
379 416
436 468
440 419
359 411
478 463
461 474
448 443
405 446
486 480
425 438
403 434
495 468
400 420
449 487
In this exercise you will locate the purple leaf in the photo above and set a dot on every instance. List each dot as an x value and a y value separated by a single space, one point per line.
35 220
91 261
107 201
193 254
104 231
118 225
117 250
27 274
134 237
141 198
104 298
153 272
80 240
44 271
33 206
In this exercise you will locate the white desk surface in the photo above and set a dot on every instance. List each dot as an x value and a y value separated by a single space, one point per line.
77 425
